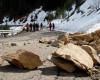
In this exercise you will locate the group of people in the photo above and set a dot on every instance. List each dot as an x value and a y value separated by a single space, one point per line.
32 27
51 26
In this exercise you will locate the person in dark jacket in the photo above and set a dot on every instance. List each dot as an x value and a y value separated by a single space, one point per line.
53 26
27 27
34 27
50 26
41 26
30 27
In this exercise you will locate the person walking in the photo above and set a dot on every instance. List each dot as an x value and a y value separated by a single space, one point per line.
34 27
50 26
30 27
53 26
41 26
27 27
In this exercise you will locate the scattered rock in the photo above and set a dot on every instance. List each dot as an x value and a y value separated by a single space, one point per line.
13 44
45 40
75 54
61 41
24 44
64 37
23 59
92 52
57 43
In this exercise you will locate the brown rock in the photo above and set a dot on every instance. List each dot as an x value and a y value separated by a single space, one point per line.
64 37
13 44
63 64
82 43
45 40
57 43
75 54
96 33
96 45
1 61
61 41
92 52
23 59
78 33
83 37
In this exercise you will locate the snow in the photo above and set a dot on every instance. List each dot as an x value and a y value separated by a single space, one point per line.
15 30
94 28
78 22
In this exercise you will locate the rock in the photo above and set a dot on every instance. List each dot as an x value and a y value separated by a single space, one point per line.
1 61
83 37
45 40
64 37
75 54
57 43
99 56
13 44
96 33
78 33
92 52
23 59
63 64
61 41
96 45
80 43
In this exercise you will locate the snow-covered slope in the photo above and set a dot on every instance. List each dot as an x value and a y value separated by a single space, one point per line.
87 20
38 15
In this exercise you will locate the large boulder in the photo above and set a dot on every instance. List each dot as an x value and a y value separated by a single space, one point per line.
63 64
92 52
23 59
83 37
75 54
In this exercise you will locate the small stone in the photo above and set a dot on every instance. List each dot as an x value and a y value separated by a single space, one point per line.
13 44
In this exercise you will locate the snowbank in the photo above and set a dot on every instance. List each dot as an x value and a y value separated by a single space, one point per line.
15 30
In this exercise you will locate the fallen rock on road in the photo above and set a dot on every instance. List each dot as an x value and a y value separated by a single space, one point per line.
76 55
23 59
